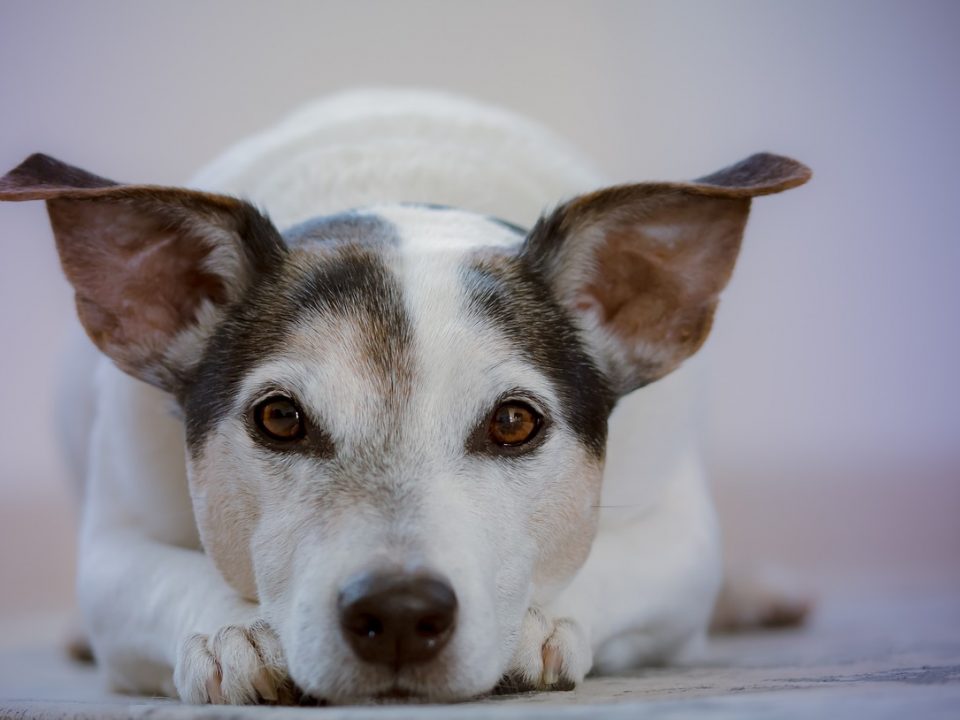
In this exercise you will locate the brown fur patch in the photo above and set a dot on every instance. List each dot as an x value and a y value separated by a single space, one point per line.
141 258
323 277
506 292
138 283
650 260
663 294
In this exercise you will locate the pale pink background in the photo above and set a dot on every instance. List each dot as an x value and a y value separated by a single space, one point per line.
832 420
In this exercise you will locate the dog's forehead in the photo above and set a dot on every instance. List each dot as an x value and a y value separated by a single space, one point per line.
410 227
396 301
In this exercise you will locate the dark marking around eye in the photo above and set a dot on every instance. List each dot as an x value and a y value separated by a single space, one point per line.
350 281
509 294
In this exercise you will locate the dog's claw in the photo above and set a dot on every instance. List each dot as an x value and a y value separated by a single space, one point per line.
212 686
551 666
265 688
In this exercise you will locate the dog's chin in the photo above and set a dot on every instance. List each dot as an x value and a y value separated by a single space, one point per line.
400 688
395 694
399 695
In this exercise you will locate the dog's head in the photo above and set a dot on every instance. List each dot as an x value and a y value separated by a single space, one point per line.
396 417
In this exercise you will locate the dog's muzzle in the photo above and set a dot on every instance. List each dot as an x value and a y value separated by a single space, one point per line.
397 618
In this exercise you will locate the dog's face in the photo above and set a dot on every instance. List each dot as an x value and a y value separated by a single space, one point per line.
396 417
398 396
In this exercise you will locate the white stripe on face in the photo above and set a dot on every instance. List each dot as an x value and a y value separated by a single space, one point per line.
461 362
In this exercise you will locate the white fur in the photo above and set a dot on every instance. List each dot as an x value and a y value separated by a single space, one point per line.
147 590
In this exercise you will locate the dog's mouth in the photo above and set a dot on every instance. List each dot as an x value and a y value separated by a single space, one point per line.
397 694
393 695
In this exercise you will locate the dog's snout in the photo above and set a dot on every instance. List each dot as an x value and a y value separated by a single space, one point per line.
397 618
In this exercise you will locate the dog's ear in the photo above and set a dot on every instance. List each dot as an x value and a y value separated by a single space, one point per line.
642 266
152 267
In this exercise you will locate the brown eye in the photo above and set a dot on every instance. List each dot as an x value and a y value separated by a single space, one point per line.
279 418
514 423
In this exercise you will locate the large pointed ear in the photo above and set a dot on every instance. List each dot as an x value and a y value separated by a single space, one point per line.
152 267
642 266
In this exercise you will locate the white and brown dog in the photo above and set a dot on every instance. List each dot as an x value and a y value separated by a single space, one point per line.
361 457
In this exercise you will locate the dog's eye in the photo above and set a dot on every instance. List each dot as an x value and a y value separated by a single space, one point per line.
279 418
514 423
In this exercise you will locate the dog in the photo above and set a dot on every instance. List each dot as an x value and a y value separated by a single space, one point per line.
356 452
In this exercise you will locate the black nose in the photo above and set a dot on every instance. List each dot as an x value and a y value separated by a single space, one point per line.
397 618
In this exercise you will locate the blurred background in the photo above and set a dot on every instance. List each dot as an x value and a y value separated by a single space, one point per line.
832 423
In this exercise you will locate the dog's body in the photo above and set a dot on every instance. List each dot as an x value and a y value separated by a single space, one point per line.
390 326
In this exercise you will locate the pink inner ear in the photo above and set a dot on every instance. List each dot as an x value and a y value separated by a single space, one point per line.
139 281
657 278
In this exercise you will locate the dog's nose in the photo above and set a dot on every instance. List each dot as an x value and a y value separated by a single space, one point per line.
397 618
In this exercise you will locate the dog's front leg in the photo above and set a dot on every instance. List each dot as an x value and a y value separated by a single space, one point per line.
163 620
643 596
646 592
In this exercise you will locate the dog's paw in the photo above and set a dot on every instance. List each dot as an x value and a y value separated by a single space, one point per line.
240 664
553 654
